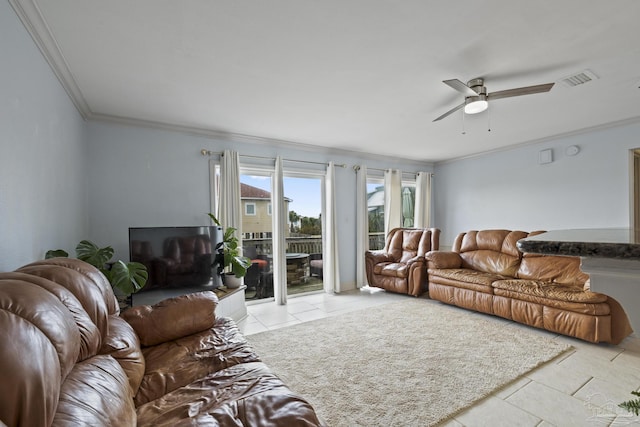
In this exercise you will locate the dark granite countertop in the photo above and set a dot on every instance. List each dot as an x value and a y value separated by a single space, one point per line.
618 243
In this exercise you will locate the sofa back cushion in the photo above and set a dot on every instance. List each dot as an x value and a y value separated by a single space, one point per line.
96 393
165 321
85 282
490 251
562 270
123 345
90 337
406 243
53 372
40 345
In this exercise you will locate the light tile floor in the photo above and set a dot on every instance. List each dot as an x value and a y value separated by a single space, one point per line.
581 388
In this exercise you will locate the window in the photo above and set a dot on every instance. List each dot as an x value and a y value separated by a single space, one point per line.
250 209
408 203
375 206
269 209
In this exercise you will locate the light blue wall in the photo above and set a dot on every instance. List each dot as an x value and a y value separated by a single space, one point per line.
43 195
510 189
149 177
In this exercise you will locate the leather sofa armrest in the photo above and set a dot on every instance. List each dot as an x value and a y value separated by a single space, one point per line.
415 259
443 259
172 318
378 256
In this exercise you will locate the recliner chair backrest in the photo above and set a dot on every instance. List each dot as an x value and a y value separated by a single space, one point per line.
406 243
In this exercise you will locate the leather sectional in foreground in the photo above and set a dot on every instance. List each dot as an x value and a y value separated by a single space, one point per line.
68 358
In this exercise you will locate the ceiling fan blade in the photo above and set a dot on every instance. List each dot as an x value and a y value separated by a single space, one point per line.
527 90
460 87
453 110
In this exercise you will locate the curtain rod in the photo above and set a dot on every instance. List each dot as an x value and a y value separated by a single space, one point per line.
206 152
357 168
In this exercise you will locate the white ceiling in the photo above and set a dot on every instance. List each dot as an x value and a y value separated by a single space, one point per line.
361 75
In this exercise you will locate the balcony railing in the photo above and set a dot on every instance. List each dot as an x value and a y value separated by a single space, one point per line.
307 245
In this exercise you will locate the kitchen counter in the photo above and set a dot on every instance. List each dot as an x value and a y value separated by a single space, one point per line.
616 243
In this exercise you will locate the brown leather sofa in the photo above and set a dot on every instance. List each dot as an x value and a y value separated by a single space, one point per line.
400 266
68 358
486 272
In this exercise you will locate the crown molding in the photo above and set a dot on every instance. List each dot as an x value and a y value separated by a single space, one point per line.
596 128
33 21
250 139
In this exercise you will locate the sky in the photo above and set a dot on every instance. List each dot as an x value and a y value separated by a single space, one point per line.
305 192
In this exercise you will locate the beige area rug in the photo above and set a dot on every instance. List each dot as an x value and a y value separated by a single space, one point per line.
408 363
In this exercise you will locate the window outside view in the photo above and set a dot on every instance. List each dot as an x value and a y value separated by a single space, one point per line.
303 237
375 205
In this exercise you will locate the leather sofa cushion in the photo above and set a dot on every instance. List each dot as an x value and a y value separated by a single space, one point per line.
123 344
548 290
392 269
175 364
557 269
408 243
490 262
248 394
490 251
87 291
503 241
591 309
463 275
90 336
165 321
96 393
83 276
443 259
40 345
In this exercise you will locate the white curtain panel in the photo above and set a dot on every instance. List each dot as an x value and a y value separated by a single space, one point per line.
229 209
214 189
392 200
423 200
279 217
362 225
330 256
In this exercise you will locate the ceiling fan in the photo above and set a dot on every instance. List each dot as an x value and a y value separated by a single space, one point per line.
477 99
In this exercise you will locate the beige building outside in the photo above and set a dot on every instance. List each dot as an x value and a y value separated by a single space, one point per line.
257 212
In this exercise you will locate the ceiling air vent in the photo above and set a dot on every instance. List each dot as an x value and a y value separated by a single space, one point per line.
578 78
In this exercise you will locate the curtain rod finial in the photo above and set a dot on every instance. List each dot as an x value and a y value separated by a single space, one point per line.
205 152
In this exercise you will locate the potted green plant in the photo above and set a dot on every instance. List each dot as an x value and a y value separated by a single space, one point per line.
128 278
229 257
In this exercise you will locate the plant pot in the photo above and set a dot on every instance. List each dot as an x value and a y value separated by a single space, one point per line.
233 282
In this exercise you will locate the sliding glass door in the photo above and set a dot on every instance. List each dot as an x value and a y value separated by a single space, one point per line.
375 207
303 201
257 232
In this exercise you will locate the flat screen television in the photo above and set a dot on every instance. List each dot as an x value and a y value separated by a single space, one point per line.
176 257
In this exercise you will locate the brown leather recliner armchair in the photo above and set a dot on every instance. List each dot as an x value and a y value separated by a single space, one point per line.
401 266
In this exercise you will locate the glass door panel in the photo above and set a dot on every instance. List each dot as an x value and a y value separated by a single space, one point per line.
375 206
303 202
257 232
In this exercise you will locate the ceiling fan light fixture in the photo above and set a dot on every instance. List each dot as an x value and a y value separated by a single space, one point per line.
475 104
